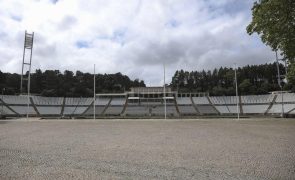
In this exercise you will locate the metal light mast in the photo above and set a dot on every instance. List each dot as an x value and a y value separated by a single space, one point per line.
26 65
94 94
237 95
280 84
165 111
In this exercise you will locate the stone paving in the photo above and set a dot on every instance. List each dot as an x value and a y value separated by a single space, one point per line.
147 149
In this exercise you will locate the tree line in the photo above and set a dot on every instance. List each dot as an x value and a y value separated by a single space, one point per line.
54 83
254 79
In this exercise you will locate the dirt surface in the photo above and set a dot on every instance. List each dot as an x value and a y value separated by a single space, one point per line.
147 149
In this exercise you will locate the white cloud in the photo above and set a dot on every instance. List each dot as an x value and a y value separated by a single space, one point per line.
134 37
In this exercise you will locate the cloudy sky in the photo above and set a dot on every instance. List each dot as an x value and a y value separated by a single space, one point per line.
134 37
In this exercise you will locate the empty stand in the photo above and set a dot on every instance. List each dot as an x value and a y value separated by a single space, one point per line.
203 105
184 101
114 110
223 109
18 104
15 100
287 97
200 100
257 99
277 108
102 101
160 110
256 104
118 101
98 110
6 111
185 106
116 106
135 110
48 106
206 109
255 109
76 106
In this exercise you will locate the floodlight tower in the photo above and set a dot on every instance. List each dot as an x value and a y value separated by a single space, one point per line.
26 65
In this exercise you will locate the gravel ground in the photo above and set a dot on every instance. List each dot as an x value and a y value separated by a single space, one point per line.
147 149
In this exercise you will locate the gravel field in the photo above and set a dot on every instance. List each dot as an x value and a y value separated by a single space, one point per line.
147 149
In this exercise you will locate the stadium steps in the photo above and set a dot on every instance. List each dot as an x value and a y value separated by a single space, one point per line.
210 102
220 104
137 111
87 109
204 106
195 107
240 105
185 106
159 110
76 107
6 105
176 106
62 107
226 104
125 106
289 112
48 106
18 105
34 106
271 104
188 106
106 107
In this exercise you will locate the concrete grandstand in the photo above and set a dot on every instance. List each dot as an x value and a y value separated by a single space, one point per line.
148 102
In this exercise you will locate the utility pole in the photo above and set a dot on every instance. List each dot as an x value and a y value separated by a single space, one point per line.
237 95
280 84
2 112
165 110
94 94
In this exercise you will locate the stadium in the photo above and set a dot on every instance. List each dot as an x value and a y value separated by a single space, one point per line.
232 122
148 134
150 102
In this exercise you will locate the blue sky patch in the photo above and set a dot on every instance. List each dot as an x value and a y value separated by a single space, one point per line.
82 44
54 1
16 18
117 36
172 23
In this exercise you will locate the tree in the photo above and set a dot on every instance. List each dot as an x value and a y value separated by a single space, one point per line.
274 21
291 76
37 82
245 86
2 80
218 91
252 79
